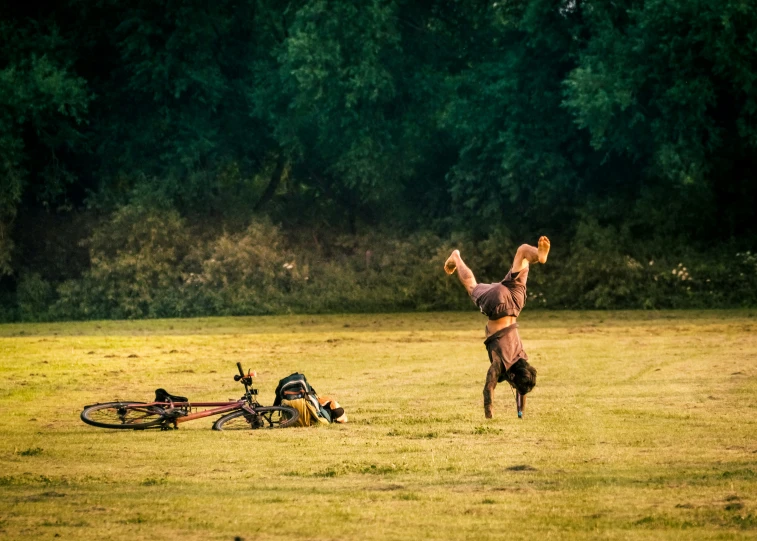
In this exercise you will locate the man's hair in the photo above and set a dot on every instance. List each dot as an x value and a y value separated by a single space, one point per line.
522 376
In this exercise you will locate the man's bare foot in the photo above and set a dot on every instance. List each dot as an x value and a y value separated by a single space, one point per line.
543 249
451 264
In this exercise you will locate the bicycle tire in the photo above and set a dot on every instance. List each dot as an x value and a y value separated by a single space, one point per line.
152 415
265 417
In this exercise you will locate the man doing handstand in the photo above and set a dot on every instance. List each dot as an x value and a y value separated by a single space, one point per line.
501 303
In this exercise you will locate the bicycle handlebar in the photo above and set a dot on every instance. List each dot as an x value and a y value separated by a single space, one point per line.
246 380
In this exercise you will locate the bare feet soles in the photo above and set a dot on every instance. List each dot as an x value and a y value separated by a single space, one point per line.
451 264
543 249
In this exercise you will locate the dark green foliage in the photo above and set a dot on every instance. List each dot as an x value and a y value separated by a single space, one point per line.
34 297
519 157
147 263
43 104
671 87
147 148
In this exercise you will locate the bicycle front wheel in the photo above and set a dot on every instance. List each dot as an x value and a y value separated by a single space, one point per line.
264 417
123 415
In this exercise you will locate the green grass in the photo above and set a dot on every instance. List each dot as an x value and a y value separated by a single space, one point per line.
642 426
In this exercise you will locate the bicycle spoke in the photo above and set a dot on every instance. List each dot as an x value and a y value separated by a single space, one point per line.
138 419
240 422
272 418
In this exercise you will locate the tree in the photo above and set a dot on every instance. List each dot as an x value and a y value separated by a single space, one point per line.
671 87
43 106
521 159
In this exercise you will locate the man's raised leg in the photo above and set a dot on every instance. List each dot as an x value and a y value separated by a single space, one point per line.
528 254
465 275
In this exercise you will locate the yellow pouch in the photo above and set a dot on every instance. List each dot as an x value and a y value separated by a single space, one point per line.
308 414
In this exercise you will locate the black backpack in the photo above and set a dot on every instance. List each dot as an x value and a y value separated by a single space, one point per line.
296 386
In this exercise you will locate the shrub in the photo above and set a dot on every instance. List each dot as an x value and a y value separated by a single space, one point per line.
150 263
605 270
34 297
8 311
247 273
135 263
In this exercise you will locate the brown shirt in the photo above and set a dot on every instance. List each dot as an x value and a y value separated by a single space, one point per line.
505 346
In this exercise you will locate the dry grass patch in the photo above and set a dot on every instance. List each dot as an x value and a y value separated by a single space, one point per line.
642 425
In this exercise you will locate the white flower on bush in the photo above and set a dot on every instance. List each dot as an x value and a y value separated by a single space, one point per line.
681 272
631 263
748 258
193 278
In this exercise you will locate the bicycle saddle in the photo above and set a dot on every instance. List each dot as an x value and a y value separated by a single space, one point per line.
161 395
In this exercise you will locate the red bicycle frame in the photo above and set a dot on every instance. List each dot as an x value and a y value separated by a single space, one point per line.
170 407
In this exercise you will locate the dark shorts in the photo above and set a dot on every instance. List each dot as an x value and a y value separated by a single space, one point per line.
497 301
505 298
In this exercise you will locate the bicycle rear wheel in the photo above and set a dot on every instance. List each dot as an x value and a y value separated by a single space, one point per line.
123 415
264 417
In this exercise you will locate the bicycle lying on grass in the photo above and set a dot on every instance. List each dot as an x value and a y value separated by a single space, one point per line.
167 411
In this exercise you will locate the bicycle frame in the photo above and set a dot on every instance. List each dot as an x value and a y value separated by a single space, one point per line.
218 408
247 403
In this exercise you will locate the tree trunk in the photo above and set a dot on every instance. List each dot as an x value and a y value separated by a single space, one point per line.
273 184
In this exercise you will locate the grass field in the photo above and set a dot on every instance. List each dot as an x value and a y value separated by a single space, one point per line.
642 426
